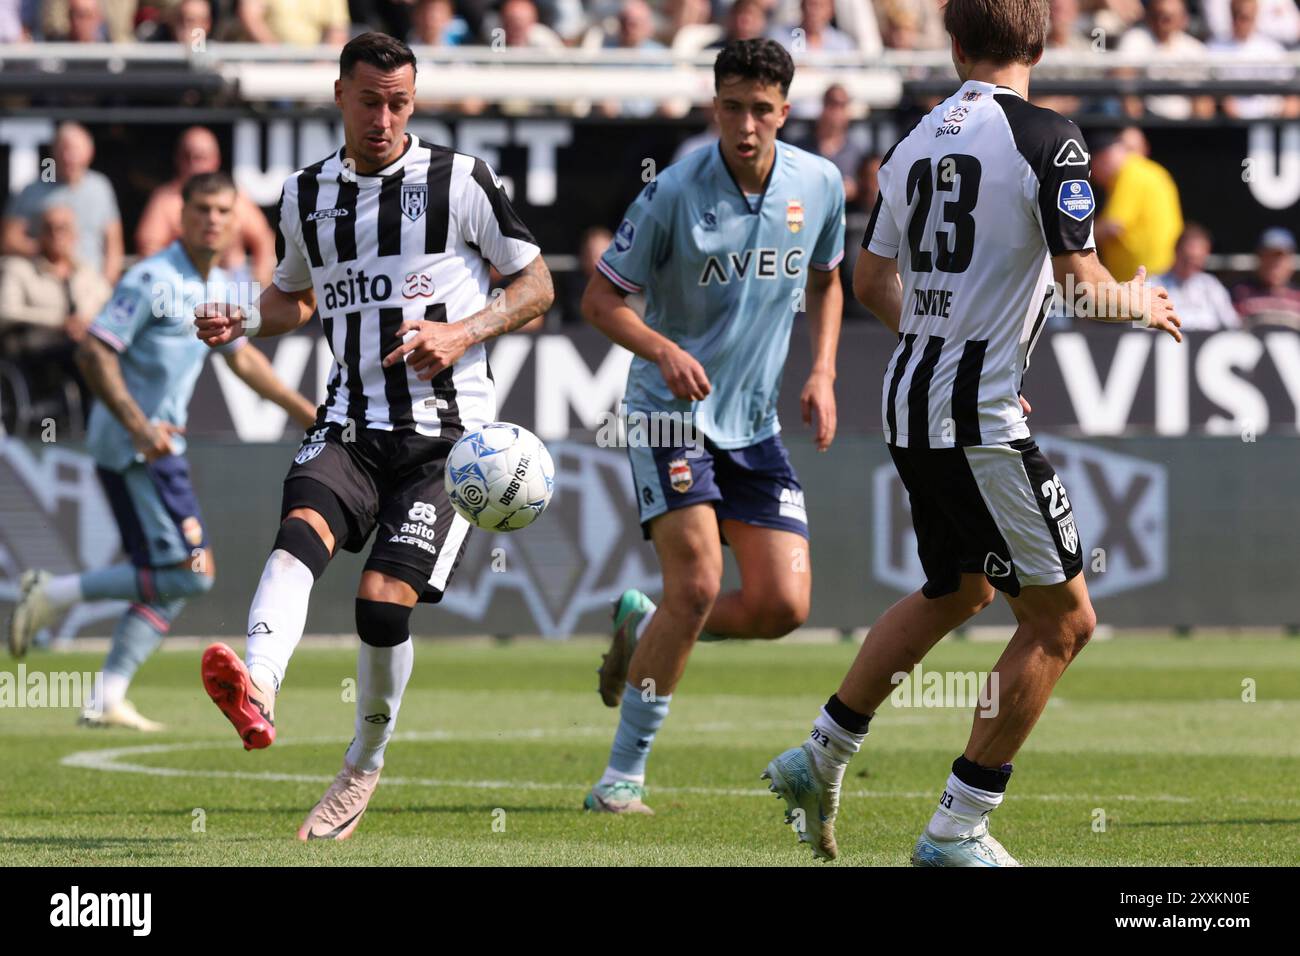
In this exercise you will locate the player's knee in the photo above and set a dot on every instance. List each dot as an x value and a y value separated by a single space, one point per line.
383 624
298 538
779 614
1079 627
692 594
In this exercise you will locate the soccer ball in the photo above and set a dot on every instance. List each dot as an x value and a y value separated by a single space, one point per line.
500 477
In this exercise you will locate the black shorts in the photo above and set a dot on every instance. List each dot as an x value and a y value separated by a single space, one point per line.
392 481
999 510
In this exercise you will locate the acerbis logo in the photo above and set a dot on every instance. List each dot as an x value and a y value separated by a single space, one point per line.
1071 153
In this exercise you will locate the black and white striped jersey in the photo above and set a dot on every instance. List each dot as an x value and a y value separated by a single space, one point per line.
973 203
410 241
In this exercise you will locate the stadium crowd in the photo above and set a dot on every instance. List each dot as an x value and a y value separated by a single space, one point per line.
1154 28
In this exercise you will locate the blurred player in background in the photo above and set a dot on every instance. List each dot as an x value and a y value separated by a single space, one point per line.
981 206
728 244
141 360
391 239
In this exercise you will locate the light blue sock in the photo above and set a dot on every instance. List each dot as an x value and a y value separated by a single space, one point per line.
639 721
146 585
139 632
116 581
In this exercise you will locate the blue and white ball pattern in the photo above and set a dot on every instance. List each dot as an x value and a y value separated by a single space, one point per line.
500 478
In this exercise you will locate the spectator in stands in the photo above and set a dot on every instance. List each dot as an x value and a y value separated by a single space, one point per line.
900 27
684 13
80 21
1203 303
187 22
86 22
814 33
252 253
573 284
1113 17
746 20
296 22
1270 297
51 290
1165 36
834 138
636 28
1142 218
1279 20
521 26
72 183
1065 35
911 24
434 23
1247 43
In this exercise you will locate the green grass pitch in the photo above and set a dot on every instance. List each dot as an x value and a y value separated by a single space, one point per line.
496 746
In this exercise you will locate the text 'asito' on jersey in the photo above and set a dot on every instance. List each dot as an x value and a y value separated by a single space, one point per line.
973 203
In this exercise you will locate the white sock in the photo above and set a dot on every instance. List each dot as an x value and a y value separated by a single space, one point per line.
108 691
961 809
115 686
644 622
63 590
277 617
614 776
382 673
833 747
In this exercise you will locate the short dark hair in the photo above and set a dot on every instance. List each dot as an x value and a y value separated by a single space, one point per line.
379 50
999 31
202 184
1194 230
763 60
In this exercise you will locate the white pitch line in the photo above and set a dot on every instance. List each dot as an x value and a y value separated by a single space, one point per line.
111 760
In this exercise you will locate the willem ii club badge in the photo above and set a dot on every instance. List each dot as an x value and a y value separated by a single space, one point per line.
679 475
794 215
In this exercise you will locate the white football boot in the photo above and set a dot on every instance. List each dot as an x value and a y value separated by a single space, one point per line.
122 717
971 847
32 612
811 799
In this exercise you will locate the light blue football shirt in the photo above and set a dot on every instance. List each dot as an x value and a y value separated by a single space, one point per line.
149 322
724 276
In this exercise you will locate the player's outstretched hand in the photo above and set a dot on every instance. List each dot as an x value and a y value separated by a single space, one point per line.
433 347
685 376
818 403
218 323
1154 303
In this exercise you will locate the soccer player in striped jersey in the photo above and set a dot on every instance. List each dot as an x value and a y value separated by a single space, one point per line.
982 205
390 239
728 244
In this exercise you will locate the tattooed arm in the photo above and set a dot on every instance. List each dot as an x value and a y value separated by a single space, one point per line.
436 346
103 374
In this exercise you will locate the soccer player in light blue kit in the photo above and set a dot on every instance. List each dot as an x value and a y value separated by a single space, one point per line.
141 359
728 245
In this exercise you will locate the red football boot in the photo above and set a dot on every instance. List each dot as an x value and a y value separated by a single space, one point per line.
250 708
